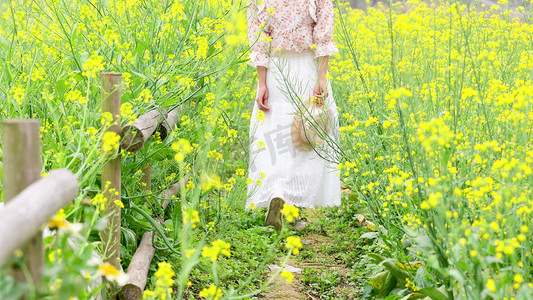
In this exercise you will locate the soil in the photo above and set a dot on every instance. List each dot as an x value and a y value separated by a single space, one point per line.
280 289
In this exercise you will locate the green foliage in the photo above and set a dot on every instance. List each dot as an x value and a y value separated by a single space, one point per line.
428 150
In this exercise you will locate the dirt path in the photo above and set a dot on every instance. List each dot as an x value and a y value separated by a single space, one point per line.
280 289
315 263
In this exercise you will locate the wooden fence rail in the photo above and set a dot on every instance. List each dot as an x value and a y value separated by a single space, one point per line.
30 200
22 218
134 135
141 260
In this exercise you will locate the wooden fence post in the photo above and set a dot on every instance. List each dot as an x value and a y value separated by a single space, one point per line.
111 181
22 167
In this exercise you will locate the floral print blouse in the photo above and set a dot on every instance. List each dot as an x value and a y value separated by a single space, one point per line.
289 25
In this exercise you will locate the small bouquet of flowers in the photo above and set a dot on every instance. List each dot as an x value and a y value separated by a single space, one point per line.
311 123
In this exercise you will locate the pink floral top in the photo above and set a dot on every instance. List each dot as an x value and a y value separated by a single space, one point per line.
289 25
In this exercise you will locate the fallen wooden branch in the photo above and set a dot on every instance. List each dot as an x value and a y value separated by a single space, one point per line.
25 214
141 260
135 135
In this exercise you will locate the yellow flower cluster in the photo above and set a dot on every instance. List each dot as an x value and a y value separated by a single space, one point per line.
164 280
163 284
19 94
432 201
99 201
190 216
209 181
294 244
287 275
93 66
76 96
126 112
219 248
290 212
182 148
110 142
211 293
435 134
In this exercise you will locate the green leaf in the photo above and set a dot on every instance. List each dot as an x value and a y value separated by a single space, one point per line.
378 280
167 101
413 296
457 275
160 82
390 283
392 266
422 278
369 235
129 238
433 293
400 292
378 258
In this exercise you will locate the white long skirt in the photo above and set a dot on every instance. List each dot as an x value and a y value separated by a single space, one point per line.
302 178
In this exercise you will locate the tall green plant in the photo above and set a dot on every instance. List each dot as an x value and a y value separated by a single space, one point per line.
441 81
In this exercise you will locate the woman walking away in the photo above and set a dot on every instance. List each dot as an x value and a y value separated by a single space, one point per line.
294 123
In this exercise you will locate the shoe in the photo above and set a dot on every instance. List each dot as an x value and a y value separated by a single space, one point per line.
299 224
273 216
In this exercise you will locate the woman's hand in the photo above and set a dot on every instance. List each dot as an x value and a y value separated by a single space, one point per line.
321 89
320 92
262 90
262 98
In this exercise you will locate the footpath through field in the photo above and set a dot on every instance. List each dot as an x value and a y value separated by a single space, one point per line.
332 260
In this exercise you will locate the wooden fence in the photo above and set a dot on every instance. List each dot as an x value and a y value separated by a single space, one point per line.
32 200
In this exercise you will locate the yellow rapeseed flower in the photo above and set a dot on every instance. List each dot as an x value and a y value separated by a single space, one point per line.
164 274
164 281
425 205
99 201
111 273
494 226
191 216
287 275
211 293
290 212
182 148
294 243
208 182
219 247
491 285
93 66
518 278
110 142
